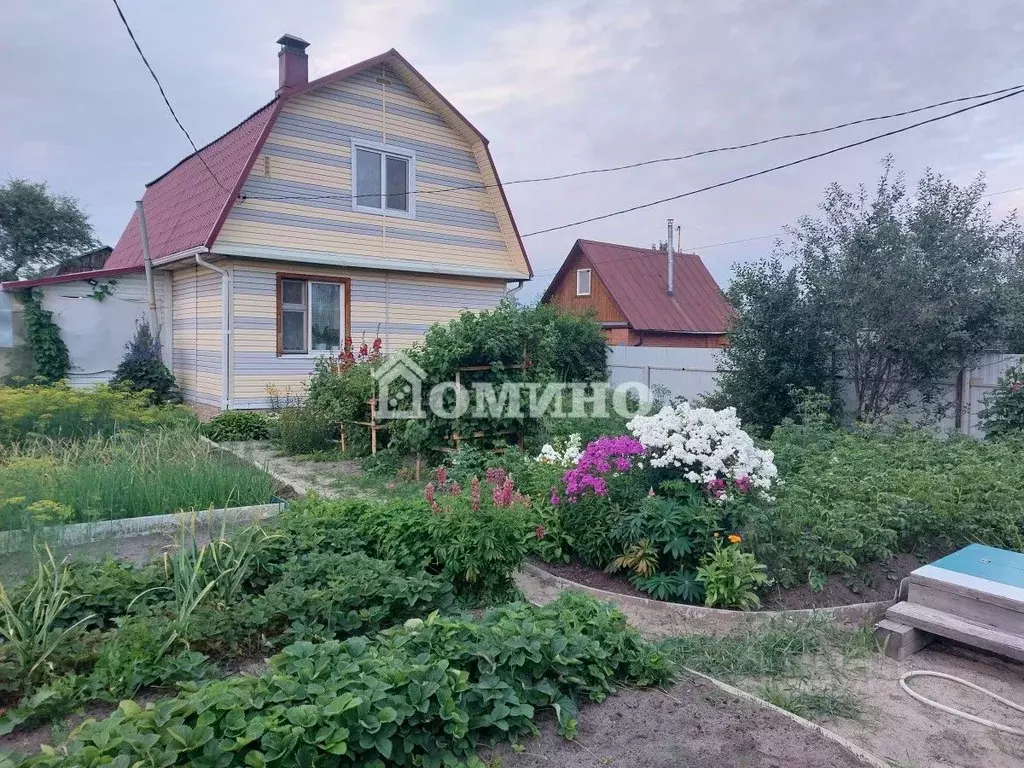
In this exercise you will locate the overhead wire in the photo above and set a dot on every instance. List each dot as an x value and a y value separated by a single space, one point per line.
774 168
163 93
654 161
706 246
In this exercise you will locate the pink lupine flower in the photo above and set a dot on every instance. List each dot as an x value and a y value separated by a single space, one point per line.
455 489
495 476
474 490
441 475
429 493
502 495
540 532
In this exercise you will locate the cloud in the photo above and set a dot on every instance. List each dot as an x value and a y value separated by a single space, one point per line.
368 28
544 58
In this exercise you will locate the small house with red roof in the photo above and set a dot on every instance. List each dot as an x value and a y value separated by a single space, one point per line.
627 289
357 205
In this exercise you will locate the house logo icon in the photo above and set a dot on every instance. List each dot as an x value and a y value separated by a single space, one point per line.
399 388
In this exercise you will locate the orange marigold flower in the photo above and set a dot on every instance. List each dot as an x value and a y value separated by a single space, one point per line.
734 538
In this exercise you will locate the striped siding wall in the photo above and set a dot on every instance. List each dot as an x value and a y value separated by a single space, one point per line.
398 306
197 333
307 159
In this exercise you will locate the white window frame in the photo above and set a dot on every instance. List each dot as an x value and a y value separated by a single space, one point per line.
385 149
590 283
342 297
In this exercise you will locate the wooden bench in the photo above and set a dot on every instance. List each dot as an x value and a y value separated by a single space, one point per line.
974 596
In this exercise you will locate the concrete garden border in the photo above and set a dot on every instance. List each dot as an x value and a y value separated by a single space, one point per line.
86 533
657 617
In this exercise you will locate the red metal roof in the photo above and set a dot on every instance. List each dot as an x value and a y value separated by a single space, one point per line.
186 206
69 277
637 279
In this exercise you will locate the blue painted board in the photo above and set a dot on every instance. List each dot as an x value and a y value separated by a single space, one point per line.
980 561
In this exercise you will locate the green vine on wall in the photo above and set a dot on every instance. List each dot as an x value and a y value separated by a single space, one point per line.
100 291
51 361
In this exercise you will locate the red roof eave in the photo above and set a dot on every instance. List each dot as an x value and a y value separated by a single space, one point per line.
70 277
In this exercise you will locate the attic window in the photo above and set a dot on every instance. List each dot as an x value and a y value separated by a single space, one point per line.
582 282
383 179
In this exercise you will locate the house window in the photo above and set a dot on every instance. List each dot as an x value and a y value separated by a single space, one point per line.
384 179
582 282
312 314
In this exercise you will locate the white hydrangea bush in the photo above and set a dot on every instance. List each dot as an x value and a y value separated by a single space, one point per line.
710 447
564 453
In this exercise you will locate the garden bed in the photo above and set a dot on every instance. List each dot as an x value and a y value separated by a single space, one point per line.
658 619
45 482
873 582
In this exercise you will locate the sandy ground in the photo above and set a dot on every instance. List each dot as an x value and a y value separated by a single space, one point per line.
896 727
694 724
900 729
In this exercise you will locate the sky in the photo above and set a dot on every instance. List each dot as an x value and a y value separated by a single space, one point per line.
556 85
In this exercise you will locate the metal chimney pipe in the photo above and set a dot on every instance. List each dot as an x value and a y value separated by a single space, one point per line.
671 265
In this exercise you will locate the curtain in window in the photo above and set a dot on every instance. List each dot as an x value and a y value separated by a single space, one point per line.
325 315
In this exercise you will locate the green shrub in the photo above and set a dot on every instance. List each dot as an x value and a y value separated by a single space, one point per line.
60 411
302 430
126 475
1004 407
142 369
425 694
341 392
237 425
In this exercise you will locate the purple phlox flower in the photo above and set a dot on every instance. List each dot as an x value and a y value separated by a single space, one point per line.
598 459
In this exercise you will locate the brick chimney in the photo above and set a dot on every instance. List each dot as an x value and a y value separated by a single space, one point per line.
292 63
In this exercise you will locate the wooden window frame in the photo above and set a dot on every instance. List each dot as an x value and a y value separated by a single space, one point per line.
346 310
590 281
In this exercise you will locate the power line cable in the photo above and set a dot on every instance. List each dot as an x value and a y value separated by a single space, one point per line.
164 95
774 168
704 247
654 161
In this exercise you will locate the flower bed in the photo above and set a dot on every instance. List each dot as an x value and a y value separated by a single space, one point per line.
687 508
663 505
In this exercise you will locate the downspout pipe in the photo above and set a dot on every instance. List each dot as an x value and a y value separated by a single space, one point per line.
225 327
510 293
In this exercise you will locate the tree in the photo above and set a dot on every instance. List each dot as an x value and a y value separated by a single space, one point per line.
39 229
778 348
897 291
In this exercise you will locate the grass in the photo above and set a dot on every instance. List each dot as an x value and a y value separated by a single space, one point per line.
127 475
798 665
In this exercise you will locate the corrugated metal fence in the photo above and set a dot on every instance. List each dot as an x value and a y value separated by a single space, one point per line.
691 373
